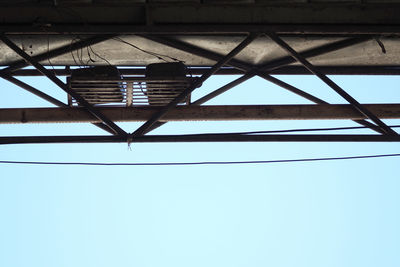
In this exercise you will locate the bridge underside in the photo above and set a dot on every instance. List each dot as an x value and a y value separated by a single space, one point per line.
247 38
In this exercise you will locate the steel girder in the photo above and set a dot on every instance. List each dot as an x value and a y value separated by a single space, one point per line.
278 65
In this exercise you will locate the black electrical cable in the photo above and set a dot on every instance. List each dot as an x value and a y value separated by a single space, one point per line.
103 58
157 55
200 163
72 53
48 51
296 130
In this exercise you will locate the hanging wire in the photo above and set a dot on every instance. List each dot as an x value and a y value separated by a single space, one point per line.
296 130
90 59
202 162
97 55
48 51
157 55
78 58
80 51
103 58
380 43
72 54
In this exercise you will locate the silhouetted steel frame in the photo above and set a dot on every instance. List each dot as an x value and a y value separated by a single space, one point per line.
59 51
260 71
32 90
46 97
198 82
7 73
199 138
199 113
331 83
63 86
286 70
202 138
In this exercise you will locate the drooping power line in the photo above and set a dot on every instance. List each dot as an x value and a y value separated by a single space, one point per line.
303 130
200 162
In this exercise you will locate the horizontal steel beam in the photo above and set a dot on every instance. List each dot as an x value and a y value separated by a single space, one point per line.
199 113
212 29
287 70
190 17
196 138
339 70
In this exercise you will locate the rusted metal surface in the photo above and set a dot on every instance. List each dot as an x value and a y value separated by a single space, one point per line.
199 113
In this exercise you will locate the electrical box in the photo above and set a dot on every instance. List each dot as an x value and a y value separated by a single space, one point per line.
97 85
165 81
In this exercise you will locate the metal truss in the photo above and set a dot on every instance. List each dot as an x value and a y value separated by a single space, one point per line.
105 117
284 70
262 71
34 62
332 84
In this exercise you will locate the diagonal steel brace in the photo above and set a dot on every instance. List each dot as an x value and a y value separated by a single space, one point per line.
359 107
63 86
7 72
198 82
260 71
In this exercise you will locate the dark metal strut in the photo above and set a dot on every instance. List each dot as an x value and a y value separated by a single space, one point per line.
287 70
331 84
33 90
116 129
260 71
58 52
198 138
8 72
198 82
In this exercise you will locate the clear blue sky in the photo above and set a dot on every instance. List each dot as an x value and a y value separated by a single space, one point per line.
336 213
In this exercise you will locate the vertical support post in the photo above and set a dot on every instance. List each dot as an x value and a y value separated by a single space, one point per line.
129 94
